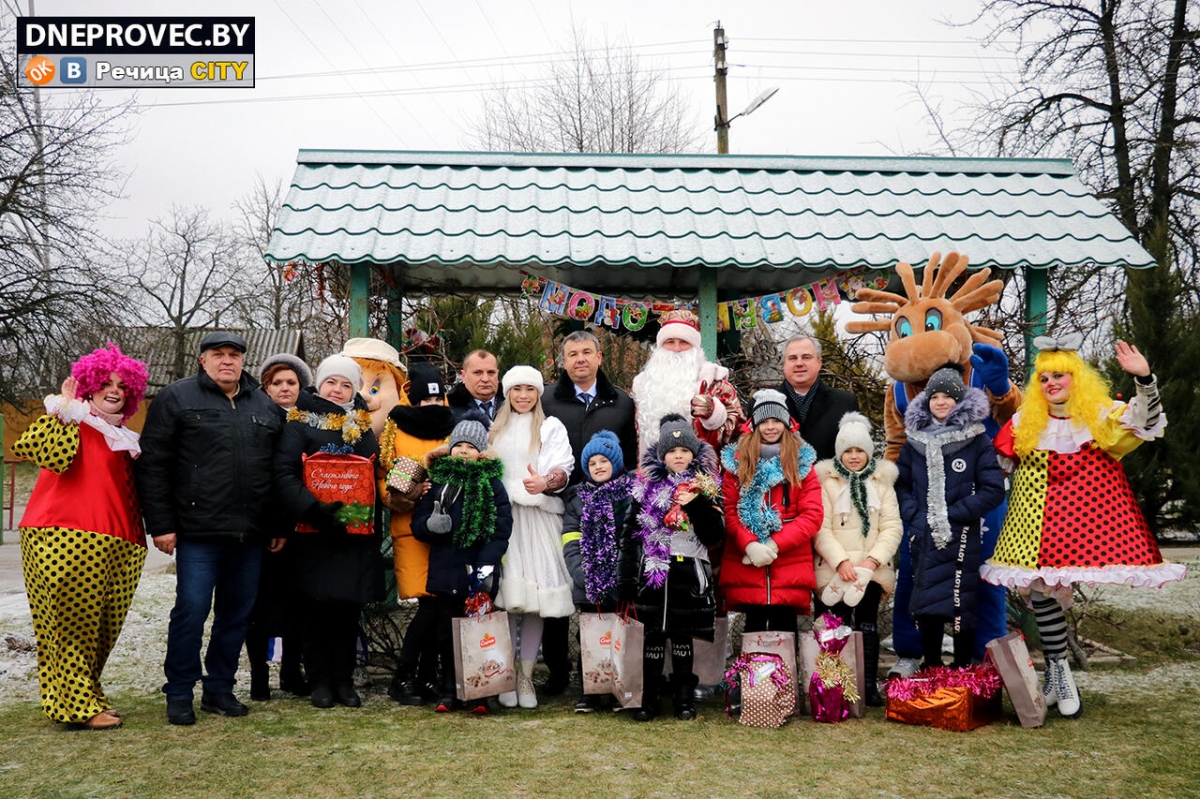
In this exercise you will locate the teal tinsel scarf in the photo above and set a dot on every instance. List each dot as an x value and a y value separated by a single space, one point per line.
858 489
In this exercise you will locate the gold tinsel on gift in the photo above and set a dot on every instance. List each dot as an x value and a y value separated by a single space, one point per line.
835 673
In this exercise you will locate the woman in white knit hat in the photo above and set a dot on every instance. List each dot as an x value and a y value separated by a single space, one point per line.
537 460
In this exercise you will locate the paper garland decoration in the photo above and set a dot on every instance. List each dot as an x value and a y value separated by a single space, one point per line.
615 312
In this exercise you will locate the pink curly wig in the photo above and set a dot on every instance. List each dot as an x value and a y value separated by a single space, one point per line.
92 372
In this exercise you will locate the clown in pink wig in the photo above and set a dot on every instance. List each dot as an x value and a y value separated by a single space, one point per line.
83 507
92 371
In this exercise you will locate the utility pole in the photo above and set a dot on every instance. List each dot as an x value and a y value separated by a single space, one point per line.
722 120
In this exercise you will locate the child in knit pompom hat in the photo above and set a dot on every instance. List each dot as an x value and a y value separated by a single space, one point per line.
859 537
593 521
949 479
664 568
466 519
772 511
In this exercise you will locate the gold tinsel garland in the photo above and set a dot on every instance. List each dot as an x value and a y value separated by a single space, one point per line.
352 425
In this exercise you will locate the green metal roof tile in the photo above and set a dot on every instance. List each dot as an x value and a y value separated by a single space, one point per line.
445 214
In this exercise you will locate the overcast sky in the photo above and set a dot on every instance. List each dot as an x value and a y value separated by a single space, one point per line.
410 75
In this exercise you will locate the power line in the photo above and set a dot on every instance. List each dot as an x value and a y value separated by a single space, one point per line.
321 53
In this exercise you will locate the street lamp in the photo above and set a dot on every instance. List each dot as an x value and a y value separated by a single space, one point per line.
723 125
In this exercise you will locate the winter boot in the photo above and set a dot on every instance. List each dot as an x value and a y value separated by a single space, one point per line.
260 673
291 676
871 668
904 667
683 696
652 668
1069 703
1050 684
403 688
526 694
344 661
320 674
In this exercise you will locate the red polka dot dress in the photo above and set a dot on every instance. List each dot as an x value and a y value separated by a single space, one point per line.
82 551
1073 517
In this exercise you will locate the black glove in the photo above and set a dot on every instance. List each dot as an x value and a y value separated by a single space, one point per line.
323 516
439 523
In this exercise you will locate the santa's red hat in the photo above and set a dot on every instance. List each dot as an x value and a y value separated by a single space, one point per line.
680 324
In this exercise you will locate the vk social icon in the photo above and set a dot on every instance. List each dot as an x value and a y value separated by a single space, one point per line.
72 70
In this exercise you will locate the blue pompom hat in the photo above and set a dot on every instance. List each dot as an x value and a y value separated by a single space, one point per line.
605 443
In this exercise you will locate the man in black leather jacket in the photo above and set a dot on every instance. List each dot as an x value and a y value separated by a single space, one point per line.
204 481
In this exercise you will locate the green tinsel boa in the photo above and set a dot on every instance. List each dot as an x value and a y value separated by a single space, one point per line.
858 489
479 503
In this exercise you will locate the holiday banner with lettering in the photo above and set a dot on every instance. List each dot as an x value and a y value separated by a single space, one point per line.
617 313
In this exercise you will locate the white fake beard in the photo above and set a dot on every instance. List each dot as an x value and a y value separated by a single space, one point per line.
665 385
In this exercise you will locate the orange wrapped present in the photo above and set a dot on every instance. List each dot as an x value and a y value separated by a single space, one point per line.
952 699
349 479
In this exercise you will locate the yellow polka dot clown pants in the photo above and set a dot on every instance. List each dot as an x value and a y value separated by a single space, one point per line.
80 585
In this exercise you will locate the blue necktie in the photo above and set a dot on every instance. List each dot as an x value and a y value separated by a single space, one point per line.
586 398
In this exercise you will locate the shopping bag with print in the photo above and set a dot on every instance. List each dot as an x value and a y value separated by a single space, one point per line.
483 654
628 648
595 651
778 643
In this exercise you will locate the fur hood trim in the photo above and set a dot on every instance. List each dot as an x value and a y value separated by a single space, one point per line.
424 422
654 470
973 408
444 452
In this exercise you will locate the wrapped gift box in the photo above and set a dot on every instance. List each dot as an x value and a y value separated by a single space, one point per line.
951 699
349 479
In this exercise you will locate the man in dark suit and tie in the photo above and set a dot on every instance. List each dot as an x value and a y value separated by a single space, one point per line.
478 383
815 406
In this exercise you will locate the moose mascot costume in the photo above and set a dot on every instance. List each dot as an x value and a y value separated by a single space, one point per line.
929 330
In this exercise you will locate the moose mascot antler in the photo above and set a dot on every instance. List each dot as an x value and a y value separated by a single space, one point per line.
929 330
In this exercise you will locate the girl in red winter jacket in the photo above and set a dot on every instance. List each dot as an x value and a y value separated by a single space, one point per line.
772 511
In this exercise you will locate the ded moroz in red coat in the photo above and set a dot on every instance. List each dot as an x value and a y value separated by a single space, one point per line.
789 580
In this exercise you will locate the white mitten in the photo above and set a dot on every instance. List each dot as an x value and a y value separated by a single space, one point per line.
760 554
855 590
773 546
834 591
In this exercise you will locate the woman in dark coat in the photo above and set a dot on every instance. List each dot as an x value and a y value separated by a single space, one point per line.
337 572
949 478
283 377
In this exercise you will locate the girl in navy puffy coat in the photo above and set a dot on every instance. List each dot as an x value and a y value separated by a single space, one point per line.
949 478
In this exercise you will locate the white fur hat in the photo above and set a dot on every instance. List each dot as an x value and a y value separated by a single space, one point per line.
681 324
339 366
522 376
372 349
854 430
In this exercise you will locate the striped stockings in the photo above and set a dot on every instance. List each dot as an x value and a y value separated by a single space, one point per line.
1052 625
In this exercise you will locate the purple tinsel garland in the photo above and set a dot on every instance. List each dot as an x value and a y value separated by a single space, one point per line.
598 542
656 499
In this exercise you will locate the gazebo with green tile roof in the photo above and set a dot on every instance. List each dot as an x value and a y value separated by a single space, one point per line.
683 225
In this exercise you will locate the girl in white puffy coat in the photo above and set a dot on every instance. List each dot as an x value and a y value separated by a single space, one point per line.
858 538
